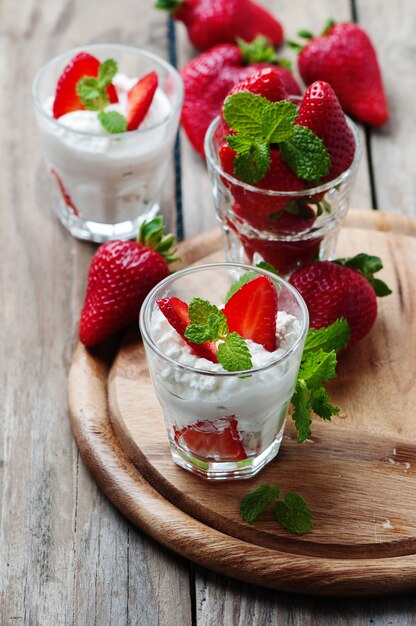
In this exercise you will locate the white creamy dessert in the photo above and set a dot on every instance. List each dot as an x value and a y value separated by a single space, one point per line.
259 402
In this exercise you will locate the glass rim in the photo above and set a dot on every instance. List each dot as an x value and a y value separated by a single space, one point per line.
214 163
146 336
91 47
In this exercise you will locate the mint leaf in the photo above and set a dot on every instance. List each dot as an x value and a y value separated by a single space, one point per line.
234 354
240 142
243 112
254 503
90 94
200 310
317 367
368 265
334 337
306 154
278 121
106 72
252 166
302 411
112 121
198 333
321 405
294 514
269 268
245 278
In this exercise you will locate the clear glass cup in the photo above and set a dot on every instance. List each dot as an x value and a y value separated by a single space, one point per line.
106 185
255 228
221 425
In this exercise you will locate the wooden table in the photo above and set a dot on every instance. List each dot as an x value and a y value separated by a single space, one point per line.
67 556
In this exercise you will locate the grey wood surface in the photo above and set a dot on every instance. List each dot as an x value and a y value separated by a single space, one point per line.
67 556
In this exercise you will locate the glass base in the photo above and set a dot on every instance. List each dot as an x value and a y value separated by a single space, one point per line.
214 470
100 233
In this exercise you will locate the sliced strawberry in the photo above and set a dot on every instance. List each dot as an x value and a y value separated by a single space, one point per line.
176 312
66 98
65 195
252 311
140 98
217 440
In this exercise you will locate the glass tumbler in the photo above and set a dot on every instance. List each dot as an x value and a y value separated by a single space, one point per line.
107 184
220 424
288 229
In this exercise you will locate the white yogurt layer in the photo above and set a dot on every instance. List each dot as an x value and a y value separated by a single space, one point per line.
110 179
259 402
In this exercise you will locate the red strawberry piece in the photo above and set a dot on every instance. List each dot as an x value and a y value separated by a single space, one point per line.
285 256
213 22
279 177
216 440
332 291
176 312
266 82
65 195
344 56
252 311
321 111
140 98
66 98
121 275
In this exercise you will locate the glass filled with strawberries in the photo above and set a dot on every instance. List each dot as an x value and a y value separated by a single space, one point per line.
282 170
108 117
224 344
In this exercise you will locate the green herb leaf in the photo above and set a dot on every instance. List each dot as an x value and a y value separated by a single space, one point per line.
306 154
106 72
239 142
321 405
254 503
90 94
269 268
198 333
199 310
368 265
112 121
334 337
252 166
234 354
317 367
278 121
243 112
302 411
294 514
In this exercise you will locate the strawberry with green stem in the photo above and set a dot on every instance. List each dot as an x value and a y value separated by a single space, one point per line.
344 56
121 275
210 76
213 22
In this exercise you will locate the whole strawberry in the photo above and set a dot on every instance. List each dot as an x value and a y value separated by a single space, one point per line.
321 112
121 275
209 77
212 22
343 288
344 56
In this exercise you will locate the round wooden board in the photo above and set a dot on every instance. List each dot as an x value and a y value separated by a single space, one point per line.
358 473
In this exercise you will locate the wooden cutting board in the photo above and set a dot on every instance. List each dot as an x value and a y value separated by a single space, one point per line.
357 473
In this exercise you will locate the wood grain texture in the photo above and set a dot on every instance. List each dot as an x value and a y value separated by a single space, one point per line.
364 536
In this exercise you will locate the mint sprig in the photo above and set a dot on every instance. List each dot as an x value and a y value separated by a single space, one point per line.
258 124
318 365
208 323
368 265
291 512
92 91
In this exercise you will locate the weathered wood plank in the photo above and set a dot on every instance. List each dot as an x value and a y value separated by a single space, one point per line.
68 556
391 27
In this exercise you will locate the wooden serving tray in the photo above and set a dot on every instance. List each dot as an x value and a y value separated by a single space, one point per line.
358 473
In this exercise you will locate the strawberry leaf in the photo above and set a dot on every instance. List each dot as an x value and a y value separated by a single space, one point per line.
368 265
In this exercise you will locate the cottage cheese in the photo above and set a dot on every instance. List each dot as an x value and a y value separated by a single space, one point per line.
259 402
110 179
